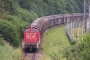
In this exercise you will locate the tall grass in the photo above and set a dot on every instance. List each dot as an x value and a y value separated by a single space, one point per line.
7 52
53 43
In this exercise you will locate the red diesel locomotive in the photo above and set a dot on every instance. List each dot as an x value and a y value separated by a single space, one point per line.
31 38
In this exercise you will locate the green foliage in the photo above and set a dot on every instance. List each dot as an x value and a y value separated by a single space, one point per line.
2 42
25 4
19 24
3 13
10 6
25 15
79 51
54 43
9 32
7 52
80 5
49 7
42 7
72 6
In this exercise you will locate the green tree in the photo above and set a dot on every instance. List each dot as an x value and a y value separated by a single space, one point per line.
10 6
3 12
9 32
25 15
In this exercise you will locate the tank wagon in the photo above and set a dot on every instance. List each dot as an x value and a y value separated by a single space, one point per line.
35 30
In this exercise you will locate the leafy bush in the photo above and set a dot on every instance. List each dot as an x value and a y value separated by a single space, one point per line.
7 52
9 31
49 7
20 25
9 5
2 42
79 51
25 15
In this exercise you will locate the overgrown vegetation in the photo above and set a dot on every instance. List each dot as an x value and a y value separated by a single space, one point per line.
7 52
56 46
79 51
53 43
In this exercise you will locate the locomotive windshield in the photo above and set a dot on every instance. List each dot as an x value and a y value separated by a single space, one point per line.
35 30
27 30
31 29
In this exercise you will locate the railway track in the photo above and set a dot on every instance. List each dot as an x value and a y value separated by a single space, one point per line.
31 55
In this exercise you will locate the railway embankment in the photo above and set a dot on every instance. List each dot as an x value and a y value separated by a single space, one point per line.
7 52
53 43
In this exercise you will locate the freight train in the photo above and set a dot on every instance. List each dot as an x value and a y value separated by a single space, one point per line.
33 33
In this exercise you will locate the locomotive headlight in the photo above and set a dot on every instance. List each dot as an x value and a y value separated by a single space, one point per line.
23 42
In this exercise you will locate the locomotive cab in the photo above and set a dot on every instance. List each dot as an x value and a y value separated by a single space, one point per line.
31 38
